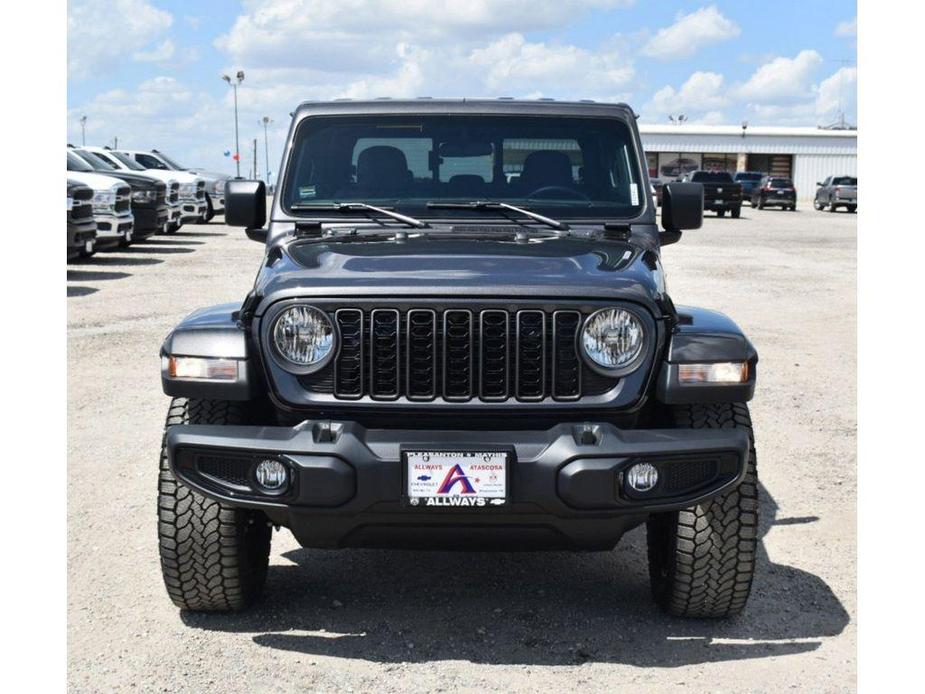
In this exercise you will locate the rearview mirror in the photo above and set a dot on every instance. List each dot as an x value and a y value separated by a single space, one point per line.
682 208
245 204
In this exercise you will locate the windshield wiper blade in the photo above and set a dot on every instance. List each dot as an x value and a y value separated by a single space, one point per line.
353 206
494 205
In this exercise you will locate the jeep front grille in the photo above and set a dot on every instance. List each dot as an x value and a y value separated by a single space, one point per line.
457 355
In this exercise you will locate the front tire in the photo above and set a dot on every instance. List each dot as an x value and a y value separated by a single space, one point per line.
852 208
736 212
702 559
213 557
210 213
721 213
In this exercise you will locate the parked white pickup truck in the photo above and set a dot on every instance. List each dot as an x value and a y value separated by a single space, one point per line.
112 203
123 162
192 186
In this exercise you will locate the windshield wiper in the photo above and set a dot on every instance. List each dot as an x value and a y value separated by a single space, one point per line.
353 206
492 205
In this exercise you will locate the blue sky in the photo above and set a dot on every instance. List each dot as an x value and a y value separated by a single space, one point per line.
149 71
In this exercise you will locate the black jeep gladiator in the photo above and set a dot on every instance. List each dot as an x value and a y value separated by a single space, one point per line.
460 337
720 192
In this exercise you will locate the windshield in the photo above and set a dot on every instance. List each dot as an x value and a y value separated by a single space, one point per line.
572 167
172 162
97 163
844 181
711 177
75 163
126 160
780 183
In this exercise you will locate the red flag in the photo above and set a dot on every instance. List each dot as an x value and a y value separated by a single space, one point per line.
236 156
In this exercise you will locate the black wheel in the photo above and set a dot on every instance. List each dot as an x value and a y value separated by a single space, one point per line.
721 213
760 203
736 212
819 205
213 557
171 228
702 559
832 207
124 244
210 213
852 208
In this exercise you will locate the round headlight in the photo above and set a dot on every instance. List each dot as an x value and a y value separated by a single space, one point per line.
303 335
613 340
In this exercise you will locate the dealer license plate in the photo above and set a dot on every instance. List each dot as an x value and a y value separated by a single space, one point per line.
444 479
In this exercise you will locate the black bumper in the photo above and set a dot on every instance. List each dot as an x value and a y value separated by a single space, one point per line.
565 487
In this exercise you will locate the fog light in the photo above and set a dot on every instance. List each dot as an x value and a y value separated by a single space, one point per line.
271 475
642 477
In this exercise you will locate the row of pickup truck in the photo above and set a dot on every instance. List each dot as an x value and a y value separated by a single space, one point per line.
726 192
117 197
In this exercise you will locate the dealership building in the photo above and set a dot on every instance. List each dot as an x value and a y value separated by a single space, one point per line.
806 155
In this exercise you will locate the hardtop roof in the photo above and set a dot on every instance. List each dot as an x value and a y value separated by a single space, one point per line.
500 106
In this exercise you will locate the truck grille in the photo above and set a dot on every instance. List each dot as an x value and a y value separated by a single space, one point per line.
174 195
457 354
201 190
123 199
82 205
161 189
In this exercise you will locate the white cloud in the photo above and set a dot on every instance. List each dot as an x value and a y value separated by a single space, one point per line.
161 53
837 94
782 79
849 27
689 33
101 33
512 61
703 92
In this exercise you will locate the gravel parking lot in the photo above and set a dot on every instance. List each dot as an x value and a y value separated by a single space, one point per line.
363 620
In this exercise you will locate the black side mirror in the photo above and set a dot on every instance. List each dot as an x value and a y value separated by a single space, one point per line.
246 204
682 208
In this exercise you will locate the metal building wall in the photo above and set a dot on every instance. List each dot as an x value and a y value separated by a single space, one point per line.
809 168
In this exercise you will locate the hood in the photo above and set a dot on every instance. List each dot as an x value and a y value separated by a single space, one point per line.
548 267
96 181
210 175
136 180
178 176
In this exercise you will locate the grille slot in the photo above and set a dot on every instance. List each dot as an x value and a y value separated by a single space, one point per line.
233 471
457 354
684 475
566 364
494 355
531 355
348 376
421 348
384 353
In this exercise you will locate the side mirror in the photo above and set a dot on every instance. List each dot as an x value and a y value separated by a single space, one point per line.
246 204
682 208
818 183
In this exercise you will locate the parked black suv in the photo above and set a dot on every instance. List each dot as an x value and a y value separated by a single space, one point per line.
775 191
460 336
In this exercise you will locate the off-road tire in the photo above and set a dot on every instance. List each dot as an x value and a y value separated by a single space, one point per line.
702 559
852 208
721 213
736 212
819 205
760 204
213 557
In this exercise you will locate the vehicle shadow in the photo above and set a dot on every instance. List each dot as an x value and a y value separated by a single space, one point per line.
554 608
193 233
80 291
141 247
93 276
116 260
162 241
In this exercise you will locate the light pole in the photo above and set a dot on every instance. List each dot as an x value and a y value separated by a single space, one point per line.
266 147
237 147
83 131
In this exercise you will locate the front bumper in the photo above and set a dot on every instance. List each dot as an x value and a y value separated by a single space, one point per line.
112 229
192 210
80 237
149 219
218 202
565 484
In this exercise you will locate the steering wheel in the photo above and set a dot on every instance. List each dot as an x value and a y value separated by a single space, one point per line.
569 192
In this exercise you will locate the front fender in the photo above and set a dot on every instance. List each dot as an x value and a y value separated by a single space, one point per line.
702 336
210 333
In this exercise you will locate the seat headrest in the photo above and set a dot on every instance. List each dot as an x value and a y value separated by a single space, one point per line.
547 167
381 165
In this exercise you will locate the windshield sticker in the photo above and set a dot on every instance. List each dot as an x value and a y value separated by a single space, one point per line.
634 194
306 192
